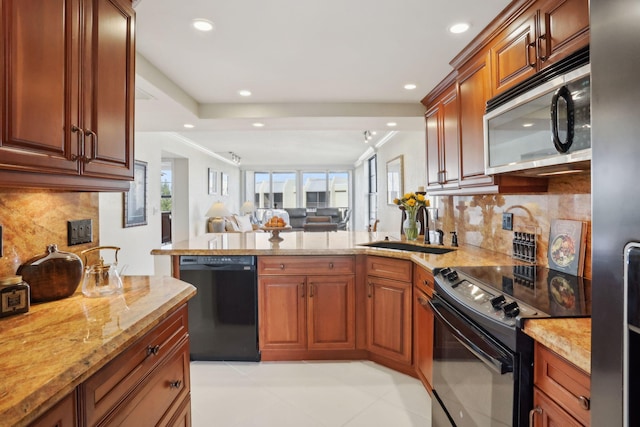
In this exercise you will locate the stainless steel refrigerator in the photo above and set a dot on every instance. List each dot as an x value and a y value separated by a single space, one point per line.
615 71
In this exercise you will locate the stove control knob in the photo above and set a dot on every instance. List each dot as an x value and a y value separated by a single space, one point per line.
511 309
498 301
453 275
445 271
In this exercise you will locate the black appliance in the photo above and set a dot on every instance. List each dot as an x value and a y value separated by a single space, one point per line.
615 135
223 316
483 362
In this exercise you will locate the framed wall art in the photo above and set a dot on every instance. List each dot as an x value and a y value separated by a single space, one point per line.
213 181
395 173
135 200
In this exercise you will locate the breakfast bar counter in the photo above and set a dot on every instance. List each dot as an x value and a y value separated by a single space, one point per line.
47 352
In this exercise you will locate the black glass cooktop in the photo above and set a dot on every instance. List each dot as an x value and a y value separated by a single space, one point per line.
551 292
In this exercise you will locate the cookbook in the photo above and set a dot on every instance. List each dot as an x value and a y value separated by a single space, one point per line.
567 246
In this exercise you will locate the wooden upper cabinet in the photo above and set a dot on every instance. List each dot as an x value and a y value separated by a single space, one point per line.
442 140
545 33
473 92
67 94
37 80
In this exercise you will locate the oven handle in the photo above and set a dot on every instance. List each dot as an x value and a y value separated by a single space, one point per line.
500 365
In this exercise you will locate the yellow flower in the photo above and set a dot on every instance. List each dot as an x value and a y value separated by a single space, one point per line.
411 202
408 195
396 201
420 198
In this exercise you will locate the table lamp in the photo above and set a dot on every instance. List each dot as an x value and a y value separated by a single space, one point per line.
217 211
248 208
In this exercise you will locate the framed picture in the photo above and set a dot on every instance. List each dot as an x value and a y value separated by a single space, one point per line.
135 200
213 181
395 174
225 184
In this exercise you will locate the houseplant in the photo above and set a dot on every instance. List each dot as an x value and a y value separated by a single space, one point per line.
411 202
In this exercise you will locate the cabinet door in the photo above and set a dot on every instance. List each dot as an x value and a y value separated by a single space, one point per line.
282 312
389 318
39 105
63 414
547 413
474 90
109 89
514 55
423 337
450 137
433 146
564 28
331 312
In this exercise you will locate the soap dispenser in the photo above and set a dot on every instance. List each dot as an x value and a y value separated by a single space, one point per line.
454 238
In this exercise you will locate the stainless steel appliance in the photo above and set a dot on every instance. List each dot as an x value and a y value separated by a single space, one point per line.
223 316
615 54
543 125
483 362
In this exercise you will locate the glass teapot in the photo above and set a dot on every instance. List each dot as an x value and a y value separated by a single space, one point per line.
101 279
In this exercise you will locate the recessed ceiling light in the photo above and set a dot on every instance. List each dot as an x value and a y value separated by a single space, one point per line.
527 125
189 126
244 92
202 25
392 124
410 86
459 28
258 125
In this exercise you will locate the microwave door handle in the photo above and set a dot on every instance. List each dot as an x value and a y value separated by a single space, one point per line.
492 362
565 95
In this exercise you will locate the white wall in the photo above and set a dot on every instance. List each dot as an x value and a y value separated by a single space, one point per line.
191 202
412 146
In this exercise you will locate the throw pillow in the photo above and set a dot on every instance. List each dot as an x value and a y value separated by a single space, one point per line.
231 224
244 223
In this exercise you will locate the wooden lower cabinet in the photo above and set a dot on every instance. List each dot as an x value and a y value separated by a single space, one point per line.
306 313
63 414
423 322
148 384
562 392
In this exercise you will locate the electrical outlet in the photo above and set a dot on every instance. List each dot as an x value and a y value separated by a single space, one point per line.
79 231
507 221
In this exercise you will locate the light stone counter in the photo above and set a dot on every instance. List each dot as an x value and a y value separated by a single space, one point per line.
50 350
326 243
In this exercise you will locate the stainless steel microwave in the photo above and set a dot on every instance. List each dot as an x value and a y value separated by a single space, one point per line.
544 131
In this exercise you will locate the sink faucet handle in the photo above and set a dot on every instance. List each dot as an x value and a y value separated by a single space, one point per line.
454 238
440 237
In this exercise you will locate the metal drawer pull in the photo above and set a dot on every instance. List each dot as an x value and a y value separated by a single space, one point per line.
301 290
369 293
175 384
281 266
423 301
310 290
330 265
532 413
94 146
584 402
153 350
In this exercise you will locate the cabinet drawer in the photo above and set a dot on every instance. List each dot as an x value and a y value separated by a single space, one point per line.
547 413
306 265
166 388
111 384
388 268
423 280
63 414
564 383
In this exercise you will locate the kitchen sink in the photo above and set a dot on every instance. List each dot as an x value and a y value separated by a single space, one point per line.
404 246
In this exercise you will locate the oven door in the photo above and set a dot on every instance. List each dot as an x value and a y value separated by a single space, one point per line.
473 378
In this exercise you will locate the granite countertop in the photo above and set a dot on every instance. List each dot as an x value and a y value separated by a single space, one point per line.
50 350
327 243
570 338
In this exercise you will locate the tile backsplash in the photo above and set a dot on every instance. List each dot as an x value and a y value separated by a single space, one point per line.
478 218
33 219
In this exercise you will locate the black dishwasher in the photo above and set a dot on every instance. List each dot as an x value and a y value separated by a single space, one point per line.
223 316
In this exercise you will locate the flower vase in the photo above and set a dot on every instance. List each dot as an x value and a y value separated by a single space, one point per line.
410 226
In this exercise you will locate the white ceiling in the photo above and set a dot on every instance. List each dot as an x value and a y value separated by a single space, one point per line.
321 72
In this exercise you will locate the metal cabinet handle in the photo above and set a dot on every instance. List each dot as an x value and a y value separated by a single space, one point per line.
94 146
281 266
369 293
584 402
426 283
153 350
541 39
330 265
423 301
529 46
310 290
80 131
532 413
302 290
175 384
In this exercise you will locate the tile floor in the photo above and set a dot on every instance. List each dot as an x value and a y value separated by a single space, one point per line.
306 394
